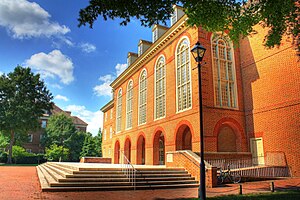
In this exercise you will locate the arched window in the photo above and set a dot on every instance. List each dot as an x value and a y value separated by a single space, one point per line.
129 98
183 76
224 72
160 88
119 111
142 97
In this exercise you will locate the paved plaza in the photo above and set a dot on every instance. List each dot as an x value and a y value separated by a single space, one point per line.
20 183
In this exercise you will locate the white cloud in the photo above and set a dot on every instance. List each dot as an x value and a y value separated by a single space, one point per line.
120 68
1 73
24 19
94 119
61 97
55 85
104 88
87 47
51 65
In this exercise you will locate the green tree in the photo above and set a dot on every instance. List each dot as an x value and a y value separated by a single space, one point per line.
18 152
59 130
56 153
90 146
4 141
75 144
236 16
23 99
98 139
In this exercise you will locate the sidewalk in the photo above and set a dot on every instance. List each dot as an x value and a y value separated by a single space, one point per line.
21 183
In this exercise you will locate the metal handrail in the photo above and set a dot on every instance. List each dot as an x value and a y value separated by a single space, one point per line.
128 169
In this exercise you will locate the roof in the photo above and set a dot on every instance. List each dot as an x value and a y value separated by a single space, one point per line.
78 121
107 106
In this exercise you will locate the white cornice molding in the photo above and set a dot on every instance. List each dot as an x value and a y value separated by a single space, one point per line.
165 38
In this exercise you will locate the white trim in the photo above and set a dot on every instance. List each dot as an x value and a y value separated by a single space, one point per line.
224 37
126 121
190 75
165 86
117 111
143 70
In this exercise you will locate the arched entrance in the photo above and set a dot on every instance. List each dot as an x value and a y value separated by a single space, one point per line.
117 153
227 140
159 149
127 149
184 138
141 150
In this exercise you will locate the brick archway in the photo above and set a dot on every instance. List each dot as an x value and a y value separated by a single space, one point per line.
230 135
141 150
159 148
117 152
127 149
184 138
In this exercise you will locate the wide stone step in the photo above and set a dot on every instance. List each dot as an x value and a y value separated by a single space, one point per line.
123 179
98 184
66 177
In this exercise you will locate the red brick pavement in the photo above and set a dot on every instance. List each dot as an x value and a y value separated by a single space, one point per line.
21 183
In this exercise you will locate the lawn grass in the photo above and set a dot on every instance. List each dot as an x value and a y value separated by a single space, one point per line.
16 165
283 195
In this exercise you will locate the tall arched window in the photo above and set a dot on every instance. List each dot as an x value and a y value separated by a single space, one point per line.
143 97
119 111
183 76
160 88
224 72
129 98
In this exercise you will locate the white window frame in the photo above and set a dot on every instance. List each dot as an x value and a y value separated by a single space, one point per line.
156 113
140 103
119 111
155 35
31 138
44 123
190 76
110 132
228 45
104 134
140 49
111 113
129 103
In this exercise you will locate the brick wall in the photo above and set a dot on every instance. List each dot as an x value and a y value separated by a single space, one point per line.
191 163
95 160
271 81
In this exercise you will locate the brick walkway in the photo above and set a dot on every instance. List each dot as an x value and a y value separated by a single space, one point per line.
21 183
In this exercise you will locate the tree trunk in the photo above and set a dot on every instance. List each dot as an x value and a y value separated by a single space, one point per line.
11 143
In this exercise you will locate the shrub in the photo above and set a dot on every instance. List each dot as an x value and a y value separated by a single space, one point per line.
3 156
56 153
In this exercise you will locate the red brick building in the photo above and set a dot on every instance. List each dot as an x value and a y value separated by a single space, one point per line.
34 138
250 99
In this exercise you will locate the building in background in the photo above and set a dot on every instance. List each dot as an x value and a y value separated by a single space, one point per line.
251 100
34 138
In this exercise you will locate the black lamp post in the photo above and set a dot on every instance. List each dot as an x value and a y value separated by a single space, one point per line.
198 52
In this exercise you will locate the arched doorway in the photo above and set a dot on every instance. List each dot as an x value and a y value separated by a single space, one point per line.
159 149
184 138
117 153
127 149
227 140
141 150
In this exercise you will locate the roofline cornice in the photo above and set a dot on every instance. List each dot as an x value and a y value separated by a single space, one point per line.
158 44
107 106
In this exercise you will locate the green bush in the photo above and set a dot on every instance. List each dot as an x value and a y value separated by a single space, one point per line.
3 156
56 153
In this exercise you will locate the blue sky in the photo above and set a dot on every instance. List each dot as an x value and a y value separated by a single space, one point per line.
77 64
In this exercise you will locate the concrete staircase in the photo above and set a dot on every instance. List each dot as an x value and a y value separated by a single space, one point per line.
67 177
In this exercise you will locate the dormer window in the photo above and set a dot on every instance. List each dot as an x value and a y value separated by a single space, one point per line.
177 14
140 49
173 18
128 61
154 35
